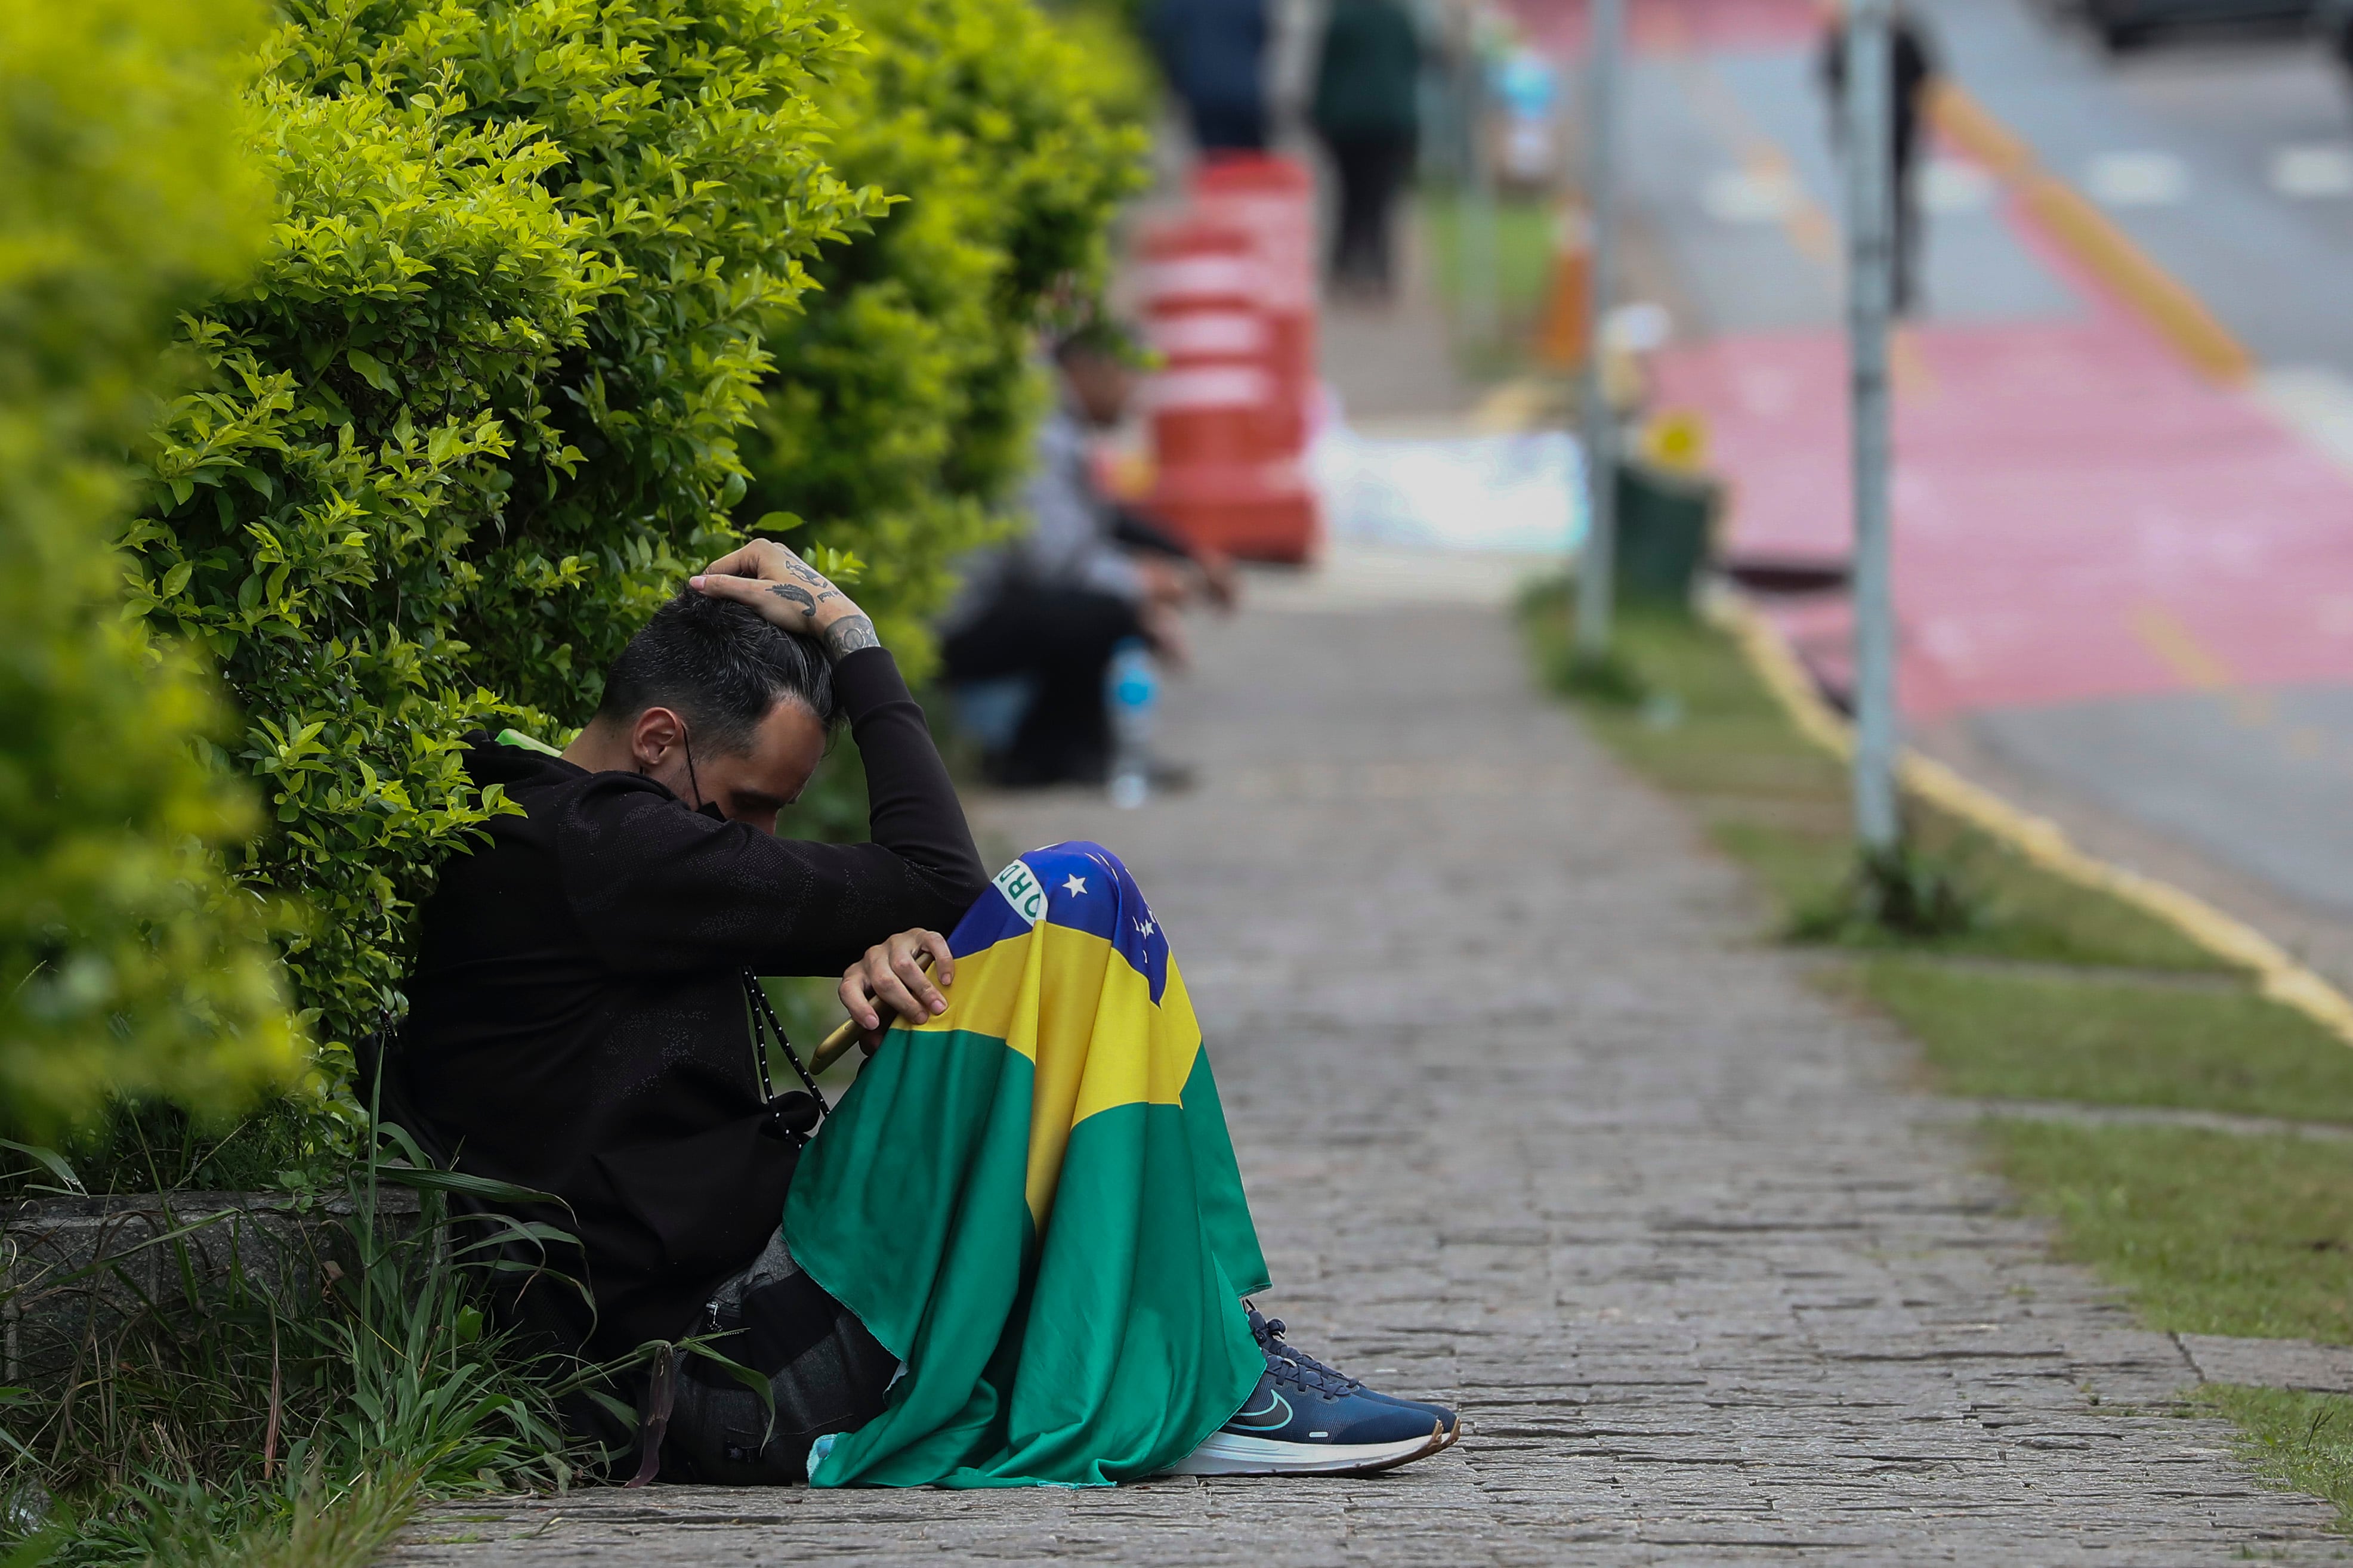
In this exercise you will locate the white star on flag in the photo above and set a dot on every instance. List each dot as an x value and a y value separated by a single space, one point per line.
1075 886
1144 928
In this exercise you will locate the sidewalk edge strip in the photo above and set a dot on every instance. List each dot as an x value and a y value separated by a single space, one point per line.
2043 842
2090 236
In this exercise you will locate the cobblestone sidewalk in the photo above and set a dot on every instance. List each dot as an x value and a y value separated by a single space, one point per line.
1533 1122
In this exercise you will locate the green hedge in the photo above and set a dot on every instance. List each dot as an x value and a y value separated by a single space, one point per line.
475 414
472 405
901 409
127 962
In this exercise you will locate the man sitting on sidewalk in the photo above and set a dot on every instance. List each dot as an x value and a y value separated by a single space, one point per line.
1049 606
578 1026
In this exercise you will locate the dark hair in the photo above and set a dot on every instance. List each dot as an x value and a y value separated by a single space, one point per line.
720 667
1102 337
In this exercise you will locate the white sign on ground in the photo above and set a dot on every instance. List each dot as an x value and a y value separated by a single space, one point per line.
1517 494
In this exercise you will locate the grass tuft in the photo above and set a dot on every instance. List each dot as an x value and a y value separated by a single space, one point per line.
2103 1038
1898 895
194 1527
1779 804
294 1415
1602 678
2297 1439
2210 1233
1523 258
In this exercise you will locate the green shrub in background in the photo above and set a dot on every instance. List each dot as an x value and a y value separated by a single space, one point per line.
474 414
127 962
476 410
458 419
899 410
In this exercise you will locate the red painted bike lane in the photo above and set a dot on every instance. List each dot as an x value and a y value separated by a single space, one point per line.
2078 515
1559 28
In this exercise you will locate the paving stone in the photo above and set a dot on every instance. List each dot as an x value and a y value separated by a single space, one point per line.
1532 1121
2270 1363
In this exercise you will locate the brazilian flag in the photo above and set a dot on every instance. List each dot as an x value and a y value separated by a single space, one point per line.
1032 1202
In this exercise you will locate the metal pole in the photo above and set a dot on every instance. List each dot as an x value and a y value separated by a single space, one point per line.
1482 308
1870 155
1596 568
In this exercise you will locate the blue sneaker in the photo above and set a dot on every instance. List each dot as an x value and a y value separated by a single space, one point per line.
1306 1418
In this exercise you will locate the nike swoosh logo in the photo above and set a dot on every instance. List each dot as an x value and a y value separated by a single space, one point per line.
1276 1414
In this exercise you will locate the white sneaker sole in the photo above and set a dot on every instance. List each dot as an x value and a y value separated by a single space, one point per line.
1234 1454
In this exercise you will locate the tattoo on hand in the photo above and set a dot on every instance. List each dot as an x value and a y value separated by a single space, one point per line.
797 595
848 634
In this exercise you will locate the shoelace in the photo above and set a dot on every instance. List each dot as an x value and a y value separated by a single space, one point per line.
1291 1364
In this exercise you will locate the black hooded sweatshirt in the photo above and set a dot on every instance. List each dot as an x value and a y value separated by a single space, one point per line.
577 1021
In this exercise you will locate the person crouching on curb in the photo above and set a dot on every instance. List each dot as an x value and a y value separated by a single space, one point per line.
1015 1253
1050 605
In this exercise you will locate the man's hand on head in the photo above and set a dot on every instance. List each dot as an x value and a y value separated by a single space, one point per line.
790 593
889 980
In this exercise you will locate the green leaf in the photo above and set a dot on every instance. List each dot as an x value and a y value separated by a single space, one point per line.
51 1160
757 1382
371 370
38 1548
427 1179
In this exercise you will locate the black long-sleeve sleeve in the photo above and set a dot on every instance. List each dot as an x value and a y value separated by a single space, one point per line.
658 889
1138 531
911 807
577 1020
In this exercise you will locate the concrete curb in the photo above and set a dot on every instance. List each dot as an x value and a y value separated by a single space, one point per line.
2095 242
2278 973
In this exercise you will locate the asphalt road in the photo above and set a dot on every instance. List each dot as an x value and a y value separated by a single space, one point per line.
2129 580
2229 159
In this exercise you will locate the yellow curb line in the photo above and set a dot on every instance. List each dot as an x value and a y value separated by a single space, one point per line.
2163 299
2041 841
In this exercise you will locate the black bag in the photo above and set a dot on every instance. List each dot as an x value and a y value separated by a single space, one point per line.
697 1421
825 1374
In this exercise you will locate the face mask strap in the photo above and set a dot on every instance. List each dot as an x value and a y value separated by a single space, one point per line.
686 744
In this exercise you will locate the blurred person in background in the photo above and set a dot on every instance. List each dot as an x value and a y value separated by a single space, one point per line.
1911 80
1367 109
1048 608
1213 52
2334 20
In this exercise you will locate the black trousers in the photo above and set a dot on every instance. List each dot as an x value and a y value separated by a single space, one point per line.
1372 170
1062 639
1906 230
1228 127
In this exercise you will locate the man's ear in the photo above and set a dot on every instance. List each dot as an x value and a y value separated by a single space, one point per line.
653 733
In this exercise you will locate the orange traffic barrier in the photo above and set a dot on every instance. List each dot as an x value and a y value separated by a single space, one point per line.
1210 397
1272 200
1568 307
1229 293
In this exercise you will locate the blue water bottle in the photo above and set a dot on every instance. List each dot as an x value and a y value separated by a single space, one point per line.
1131 689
